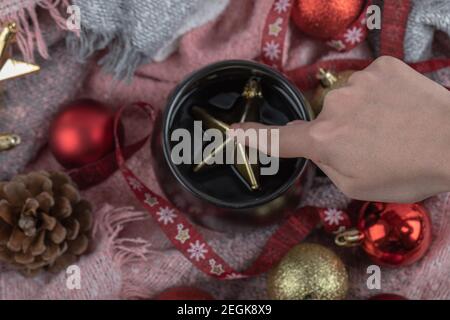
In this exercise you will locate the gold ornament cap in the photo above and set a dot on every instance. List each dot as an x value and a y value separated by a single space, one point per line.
9 141
327 78
349 238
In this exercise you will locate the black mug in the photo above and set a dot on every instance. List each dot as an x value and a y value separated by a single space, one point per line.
216 198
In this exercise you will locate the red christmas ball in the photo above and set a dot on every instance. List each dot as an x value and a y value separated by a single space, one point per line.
184 293
82 133
325 19
394 234
387 296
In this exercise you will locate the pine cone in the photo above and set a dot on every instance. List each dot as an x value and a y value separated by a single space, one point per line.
44 225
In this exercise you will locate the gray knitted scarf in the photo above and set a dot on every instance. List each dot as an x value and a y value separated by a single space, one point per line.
137 31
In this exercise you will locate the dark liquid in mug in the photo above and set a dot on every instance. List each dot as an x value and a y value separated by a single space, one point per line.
216 94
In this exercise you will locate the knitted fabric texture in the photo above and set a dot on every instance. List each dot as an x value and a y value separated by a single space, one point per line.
137 31
425 19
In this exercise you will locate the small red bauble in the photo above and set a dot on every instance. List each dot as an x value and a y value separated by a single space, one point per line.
82 133
325 19
394 234
387 296
184 293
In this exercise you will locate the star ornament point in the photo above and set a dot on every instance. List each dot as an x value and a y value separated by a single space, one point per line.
11 68
245 169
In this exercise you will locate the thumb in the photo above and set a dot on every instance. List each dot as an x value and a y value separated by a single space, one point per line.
293 139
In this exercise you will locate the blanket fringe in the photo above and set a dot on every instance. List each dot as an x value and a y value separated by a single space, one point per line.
30 36
121 60
124 251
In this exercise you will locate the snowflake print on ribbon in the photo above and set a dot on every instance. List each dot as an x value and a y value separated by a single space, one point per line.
197 250
333 216
336 44
354 35
151 201
135 184
216 268
272 50
275 28
282 5
166 215
183 233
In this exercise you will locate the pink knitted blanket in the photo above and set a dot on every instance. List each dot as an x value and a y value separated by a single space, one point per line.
133 259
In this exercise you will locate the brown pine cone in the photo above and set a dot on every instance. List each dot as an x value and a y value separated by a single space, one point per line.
44 224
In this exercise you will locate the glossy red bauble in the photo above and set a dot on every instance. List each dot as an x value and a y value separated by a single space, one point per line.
184 293
325 19
394 234
82 133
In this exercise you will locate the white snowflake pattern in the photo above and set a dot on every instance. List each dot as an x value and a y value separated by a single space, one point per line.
197 250
333 216
272 50
135 184
337 44
151 201
282 5
234 276
353 35
166 215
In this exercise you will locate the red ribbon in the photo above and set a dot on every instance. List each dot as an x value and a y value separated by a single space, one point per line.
99 171
393 28
274 33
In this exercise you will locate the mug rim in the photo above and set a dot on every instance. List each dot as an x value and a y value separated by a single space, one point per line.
173 102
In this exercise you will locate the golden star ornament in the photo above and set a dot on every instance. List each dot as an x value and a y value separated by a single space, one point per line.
11 68
247 171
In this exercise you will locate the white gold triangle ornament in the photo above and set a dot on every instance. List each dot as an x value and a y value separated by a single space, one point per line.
10 68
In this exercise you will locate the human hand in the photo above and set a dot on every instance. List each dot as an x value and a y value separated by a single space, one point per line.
385 136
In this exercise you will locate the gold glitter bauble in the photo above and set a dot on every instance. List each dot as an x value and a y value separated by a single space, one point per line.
328 81
308 271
